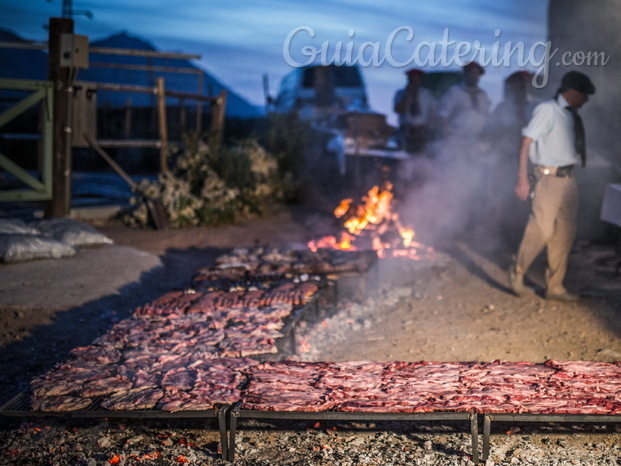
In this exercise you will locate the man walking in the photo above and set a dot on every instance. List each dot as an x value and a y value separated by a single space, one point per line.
554 142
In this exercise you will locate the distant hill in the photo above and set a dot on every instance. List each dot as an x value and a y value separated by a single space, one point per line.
32 64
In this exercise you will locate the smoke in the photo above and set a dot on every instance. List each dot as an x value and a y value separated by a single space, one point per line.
472 195
464 188
465 197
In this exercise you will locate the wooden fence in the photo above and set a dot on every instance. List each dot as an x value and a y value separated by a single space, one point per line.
74 112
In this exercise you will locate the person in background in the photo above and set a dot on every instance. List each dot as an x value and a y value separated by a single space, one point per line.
513 113
417 108
554 142
505 133
463 113
461 154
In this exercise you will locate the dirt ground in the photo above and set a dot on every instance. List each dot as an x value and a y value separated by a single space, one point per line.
454 307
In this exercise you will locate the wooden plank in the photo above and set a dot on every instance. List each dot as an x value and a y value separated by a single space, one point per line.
144 53
21 106
116 143
21 174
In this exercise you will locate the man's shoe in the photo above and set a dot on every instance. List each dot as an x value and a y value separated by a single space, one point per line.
564 297
516 283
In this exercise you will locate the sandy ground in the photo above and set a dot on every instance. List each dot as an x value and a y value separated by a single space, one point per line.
454 308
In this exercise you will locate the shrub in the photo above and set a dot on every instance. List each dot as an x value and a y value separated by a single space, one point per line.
207 186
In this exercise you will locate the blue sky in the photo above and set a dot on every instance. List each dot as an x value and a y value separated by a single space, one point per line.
239 44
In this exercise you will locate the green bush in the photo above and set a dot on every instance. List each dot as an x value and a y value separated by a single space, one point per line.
287 137
210 187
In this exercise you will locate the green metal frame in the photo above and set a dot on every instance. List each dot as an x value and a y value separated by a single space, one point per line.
40 189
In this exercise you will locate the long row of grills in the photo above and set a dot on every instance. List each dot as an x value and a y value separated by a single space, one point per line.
175 382
191 349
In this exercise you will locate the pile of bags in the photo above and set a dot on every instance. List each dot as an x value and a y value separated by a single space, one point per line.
45 239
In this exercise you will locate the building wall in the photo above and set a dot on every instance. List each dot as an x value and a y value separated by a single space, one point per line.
592 27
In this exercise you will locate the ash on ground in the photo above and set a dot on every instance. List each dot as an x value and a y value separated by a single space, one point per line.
300 443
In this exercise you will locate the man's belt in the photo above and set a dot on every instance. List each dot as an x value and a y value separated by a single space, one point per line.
562 172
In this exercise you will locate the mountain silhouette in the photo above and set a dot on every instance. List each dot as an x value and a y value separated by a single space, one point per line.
32 64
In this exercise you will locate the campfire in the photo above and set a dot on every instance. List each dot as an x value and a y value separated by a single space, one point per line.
373 224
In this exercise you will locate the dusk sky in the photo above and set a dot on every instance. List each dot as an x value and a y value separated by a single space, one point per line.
240 43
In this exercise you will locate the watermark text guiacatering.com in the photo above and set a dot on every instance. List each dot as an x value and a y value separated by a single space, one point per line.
445 52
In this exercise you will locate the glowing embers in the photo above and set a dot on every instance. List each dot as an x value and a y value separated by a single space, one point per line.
372 224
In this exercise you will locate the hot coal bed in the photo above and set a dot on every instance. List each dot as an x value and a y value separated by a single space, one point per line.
223 349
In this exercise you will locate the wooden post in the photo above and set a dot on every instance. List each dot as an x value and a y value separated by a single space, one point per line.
217 117
60 205
127 129
163 128
182 117
199 107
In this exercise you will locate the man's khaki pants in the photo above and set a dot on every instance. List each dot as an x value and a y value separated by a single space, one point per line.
552 224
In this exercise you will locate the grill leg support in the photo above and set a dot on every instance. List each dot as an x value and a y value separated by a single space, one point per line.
232 432
474 433
487 428
222 415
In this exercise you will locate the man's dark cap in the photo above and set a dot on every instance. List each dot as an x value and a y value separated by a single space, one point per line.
414 72
577 81
476 66
519 77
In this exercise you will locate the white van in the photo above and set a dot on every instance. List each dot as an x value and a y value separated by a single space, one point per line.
333 99
320 90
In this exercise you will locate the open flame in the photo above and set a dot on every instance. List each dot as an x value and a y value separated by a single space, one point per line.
372 224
